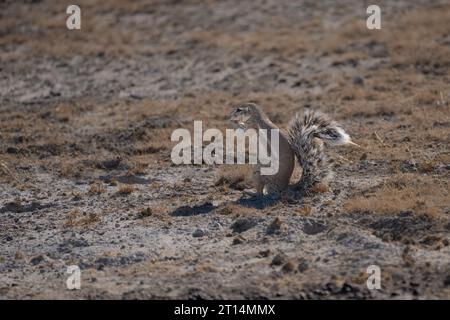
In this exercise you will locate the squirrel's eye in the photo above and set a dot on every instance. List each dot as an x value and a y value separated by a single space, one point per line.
238 109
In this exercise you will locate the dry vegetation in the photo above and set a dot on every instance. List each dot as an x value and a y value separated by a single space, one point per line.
78 219
404 192
86 119
125 189
235 177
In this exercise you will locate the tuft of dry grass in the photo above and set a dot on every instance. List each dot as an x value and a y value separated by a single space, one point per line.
66 170
145 212
155 214
234 176
304 211
76 218
137 169
126 189
205 266
97 188
7 172
320 188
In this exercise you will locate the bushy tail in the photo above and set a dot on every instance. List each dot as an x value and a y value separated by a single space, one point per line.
307 133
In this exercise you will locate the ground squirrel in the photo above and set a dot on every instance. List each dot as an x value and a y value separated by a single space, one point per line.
304 140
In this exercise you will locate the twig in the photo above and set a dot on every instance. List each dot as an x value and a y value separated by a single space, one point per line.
379 139
8 172
344 158
412 157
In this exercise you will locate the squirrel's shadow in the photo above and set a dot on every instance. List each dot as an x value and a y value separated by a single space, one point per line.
184 211
257 202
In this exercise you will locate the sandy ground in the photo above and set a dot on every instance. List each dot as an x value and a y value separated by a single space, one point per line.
86 177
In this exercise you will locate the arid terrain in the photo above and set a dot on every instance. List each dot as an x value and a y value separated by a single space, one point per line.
86 176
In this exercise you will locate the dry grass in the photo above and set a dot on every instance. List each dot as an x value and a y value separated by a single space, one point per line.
145 212
97 188
77 219
126 189
320 188
67 169
19 255
404 192
419 46
287 42
137 169
205 266
156 213
234 176
7 173
304 210
98 32
413 40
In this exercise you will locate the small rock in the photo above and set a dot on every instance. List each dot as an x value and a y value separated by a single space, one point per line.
77 197
242 224
288 266
348 288
136 96
18 139
303 265
75 242
312 227
38 259
279 259
147 212
408 166
359 81
198 233
109 164
12 150
447 281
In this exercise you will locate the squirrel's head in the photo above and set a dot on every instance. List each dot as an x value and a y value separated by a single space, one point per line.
246 115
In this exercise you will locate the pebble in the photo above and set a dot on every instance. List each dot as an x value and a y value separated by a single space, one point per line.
198 233
279 259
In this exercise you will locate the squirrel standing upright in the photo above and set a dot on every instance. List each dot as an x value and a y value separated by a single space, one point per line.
303 140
